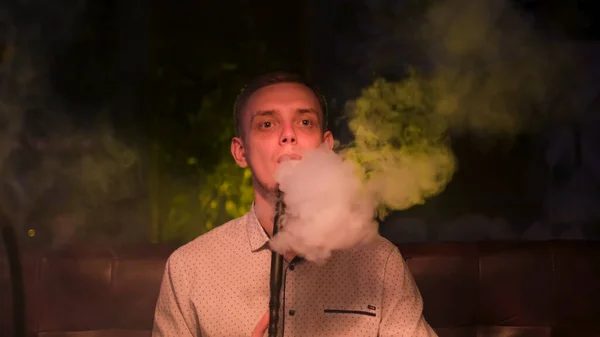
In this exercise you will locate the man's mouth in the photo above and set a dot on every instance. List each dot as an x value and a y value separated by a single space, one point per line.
289 156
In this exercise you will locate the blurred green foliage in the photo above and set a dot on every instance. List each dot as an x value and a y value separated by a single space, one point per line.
198 185
203 55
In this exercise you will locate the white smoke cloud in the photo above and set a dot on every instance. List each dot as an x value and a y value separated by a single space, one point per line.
327 207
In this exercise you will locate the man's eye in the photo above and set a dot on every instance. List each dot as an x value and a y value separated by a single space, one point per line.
306 122
266 124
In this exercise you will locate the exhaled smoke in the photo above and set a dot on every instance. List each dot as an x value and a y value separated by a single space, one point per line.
489 74
323 196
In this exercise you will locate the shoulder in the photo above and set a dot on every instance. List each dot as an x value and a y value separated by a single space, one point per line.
207 245
391 256
379 247
376 254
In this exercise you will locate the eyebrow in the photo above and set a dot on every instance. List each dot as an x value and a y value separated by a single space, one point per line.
307 111
261 113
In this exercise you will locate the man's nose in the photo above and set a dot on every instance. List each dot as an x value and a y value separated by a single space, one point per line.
288 136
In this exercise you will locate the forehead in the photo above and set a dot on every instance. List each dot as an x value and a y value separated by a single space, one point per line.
282 96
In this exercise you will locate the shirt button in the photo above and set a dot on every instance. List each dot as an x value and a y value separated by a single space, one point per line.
292 267
292 312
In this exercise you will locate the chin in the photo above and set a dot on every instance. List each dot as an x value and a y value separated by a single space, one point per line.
269 187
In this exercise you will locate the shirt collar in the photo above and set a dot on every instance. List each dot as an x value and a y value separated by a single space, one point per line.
257 236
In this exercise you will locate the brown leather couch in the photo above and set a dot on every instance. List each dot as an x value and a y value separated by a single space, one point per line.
539 289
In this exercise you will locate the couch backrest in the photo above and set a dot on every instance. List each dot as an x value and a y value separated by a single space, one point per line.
524 289
469 289
98 291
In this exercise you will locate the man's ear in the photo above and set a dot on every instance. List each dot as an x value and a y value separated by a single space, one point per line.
328 140
238 152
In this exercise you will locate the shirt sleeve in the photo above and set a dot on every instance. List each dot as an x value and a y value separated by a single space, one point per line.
174 315
402 311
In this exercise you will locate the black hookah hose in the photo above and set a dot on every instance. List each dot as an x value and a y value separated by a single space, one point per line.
276 271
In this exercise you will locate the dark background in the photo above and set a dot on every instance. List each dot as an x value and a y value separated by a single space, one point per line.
144 67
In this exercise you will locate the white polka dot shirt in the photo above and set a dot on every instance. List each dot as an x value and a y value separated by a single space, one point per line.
218 286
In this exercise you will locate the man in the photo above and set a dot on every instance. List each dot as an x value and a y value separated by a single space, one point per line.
218 284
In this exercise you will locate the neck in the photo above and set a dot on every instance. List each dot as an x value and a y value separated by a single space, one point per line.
264 206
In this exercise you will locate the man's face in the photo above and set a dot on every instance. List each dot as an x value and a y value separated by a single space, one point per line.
278 120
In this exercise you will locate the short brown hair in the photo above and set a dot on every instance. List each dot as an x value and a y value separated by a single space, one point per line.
270 79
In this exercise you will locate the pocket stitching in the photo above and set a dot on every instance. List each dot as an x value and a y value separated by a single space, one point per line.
352 312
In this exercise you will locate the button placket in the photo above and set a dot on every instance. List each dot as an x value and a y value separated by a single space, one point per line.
290 309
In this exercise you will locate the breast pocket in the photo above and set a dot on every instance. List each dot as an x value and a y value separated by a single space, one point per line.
351 321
